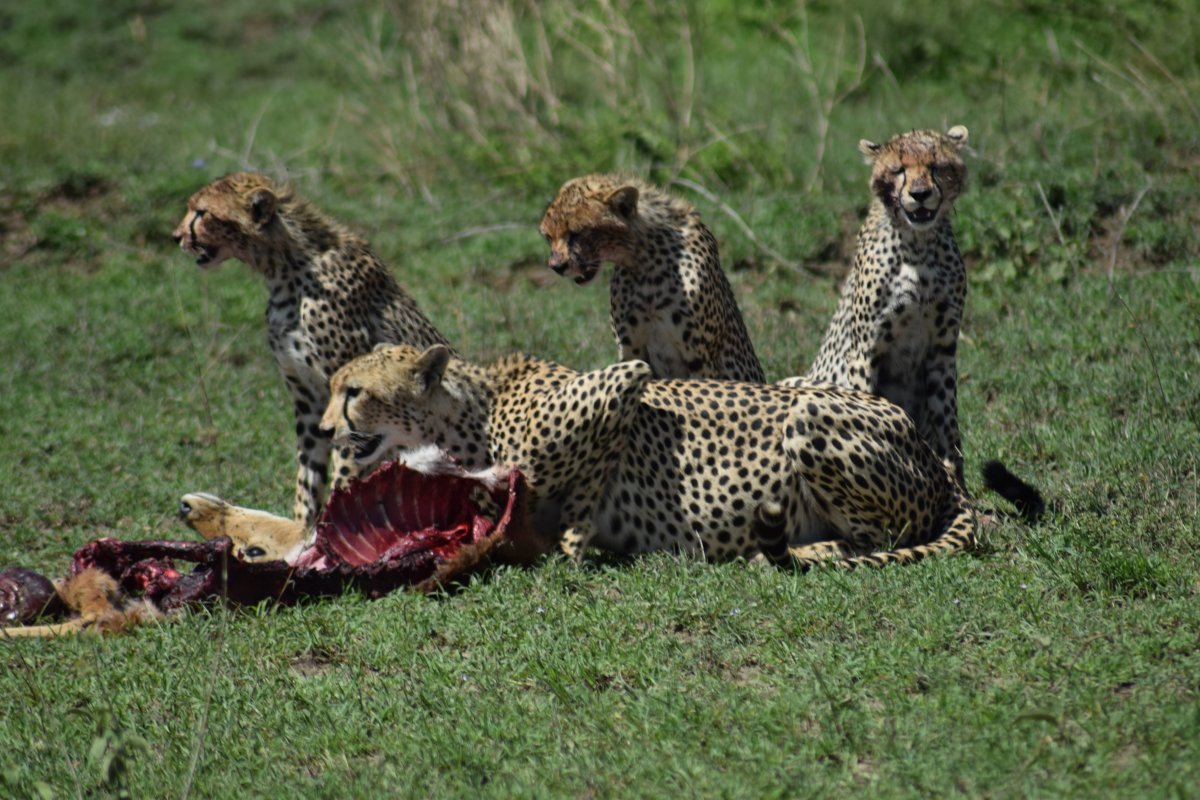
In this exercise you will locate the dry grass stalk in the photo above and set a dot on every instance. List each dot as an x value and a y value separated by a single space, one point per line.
824 83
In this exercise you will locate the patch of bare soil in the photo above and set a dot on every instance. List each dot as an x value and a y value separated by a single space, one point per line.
89 198
16 239
314 662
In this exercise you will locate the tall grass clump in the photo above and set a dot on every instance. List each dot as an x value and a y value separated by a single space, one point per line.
505 89
755 108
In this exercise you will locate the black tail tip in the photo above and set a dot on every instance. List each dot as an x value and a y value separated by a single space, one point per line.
1027 500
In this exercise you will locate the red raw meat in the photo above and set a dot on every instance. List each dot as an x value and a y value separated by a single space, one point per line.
397 528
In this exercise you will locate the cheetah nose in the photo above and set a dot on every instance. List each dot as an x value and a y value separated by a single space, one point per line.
178 237
921 195
558 264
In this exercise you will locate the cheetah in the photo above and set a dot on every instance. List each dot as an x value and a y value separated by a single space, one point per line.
895 330
671 304
330 299
625 462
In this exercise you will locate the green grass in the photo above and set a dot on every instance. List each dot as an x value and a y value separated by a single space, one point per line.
1058 660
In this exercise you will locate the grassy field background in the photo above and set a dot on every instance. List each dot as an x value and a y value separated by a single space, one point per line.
1058 660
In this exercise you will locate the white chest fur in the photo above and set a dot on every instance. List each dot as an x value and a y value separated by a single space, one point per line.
906 334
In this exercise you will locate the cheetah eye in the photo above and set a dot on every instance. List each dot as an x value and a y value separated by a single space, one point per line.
897 170
572 239
352 392
254 551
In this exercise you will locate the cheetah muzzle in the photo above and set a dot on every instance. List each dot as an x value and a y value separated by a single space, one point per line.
921 217
366 447
206 254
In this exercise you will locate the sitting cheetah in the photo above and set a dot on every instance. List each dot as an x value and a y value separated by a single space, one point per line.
672 306
330 300
895 330
623 462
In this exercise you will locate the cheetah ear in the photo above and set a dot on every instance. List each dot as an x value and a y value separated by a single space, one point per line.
262 206
430 367
958 135
623 202
869 149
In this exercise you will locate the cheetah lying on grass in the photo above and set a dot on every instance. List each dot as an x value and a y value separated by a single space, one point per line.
621 461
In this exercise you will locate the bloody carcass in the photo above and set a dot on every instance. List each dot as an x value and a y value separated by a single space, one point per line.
398 528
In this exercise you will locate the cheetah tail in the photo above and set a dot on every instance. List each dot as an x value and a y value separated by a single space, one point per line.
1027 500
958 536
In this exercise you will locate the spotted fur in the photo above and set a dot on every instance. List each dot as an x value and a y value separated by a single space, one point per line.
621 461
671 304
895 330
330 299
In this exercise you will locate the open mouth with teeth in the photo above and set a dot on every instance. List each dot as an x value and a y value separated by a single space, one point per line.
205 253
921 216
365 447
586 273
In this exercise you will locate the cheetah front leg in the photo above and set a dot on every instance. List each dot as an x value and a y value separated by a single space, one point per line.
313 451
344 468
575 540
312 476
939 423
664 351
578 519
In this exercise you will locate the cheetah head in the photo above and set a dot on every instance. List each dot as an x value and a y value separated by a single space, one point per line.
382 400
588 223
227 217
918 175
